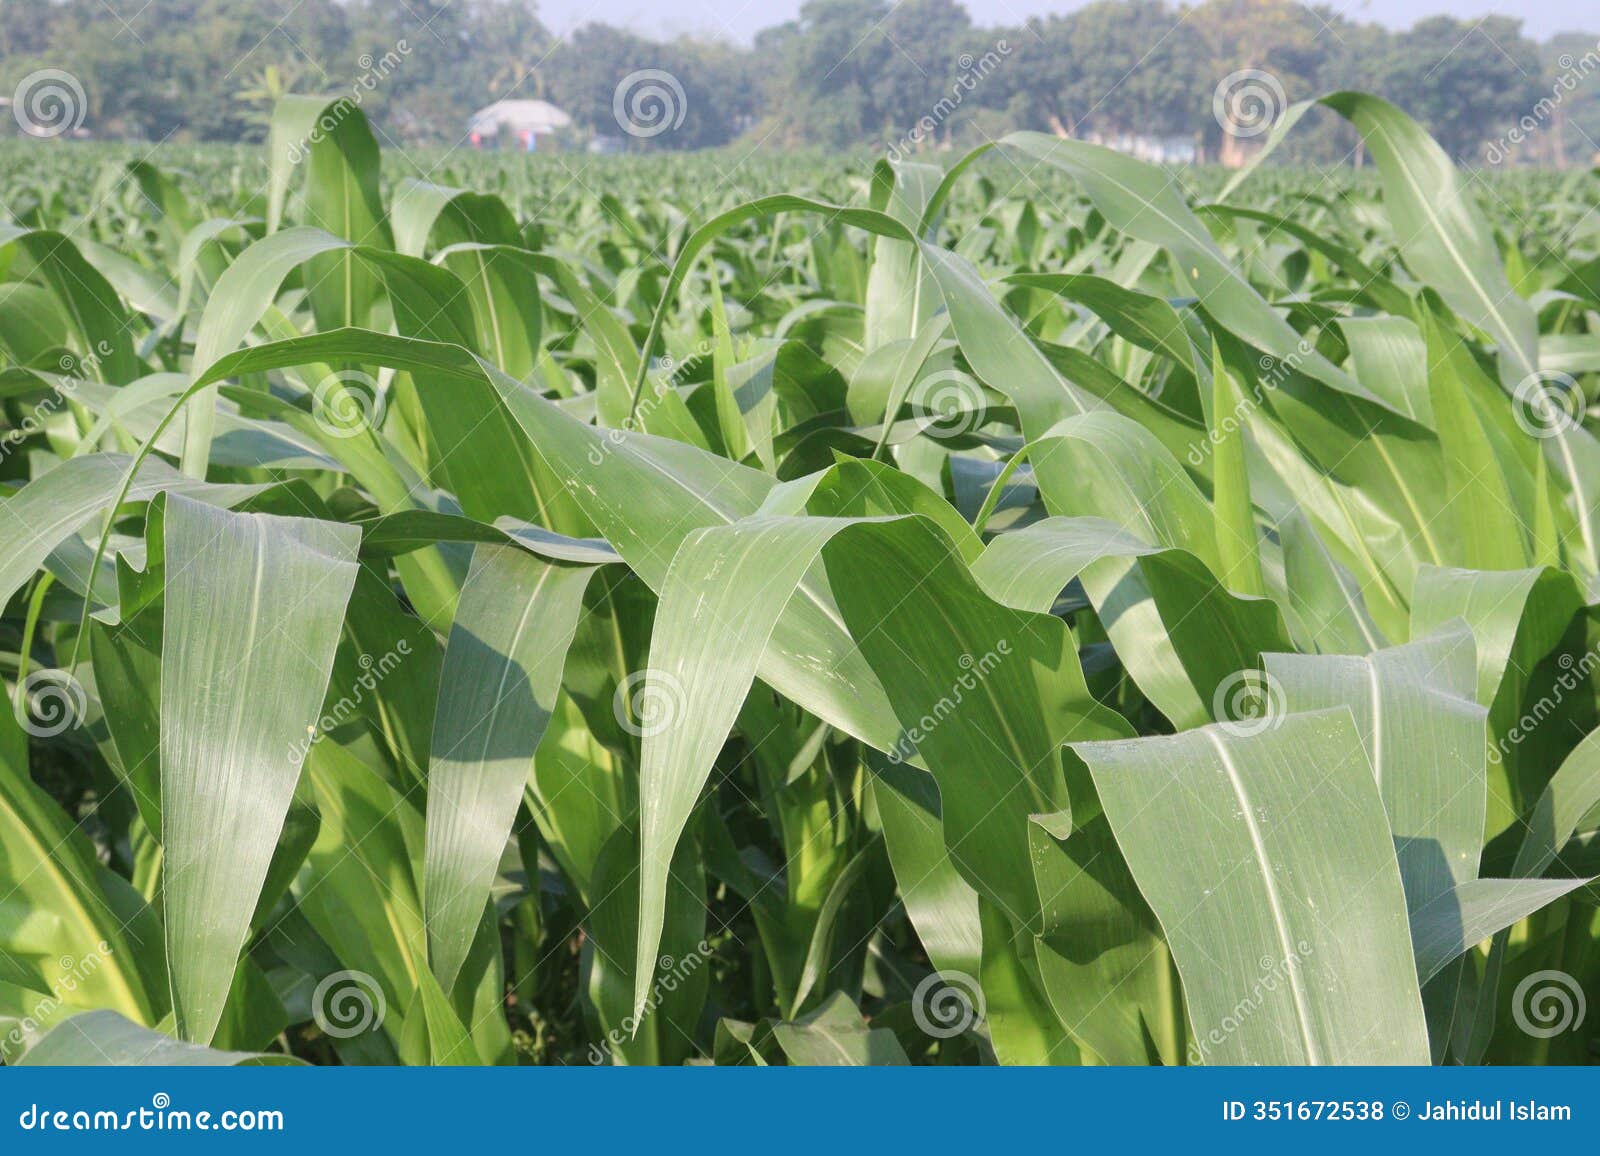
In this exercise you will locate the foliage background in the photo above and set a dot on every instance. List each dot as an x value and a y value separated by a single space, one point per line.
847 72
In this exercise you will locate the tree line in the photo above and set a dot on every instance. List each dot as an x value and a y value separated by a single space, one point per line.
911 76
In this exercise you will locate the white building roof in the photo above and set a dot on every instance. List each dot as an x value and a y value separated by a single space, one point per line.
535 116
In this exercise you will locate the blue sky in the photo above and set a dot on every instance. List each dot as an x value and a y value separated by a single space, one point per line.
741 19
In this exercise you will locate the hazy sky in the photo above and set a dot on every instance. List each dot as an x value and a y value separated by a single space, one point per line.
741 19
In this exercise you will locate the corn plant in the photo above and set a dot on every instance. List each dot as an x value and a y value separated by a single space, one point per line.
1045 610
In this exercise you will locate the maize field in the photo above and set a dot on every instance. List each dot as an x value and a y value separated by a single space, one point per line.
1036 608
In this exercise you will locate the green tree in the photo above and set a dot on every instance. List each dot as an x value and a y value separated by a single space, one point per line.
826 63
1571 134
1468 82
916 62
679 95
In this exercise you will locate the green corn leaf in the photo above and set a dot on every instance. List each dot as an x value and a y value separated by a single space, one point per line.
502 669
253 606
835 1036
1292 898
1424 736
105 1038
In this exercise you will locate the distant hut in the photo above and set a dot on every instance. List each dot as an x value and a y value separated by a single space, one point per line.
523 121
